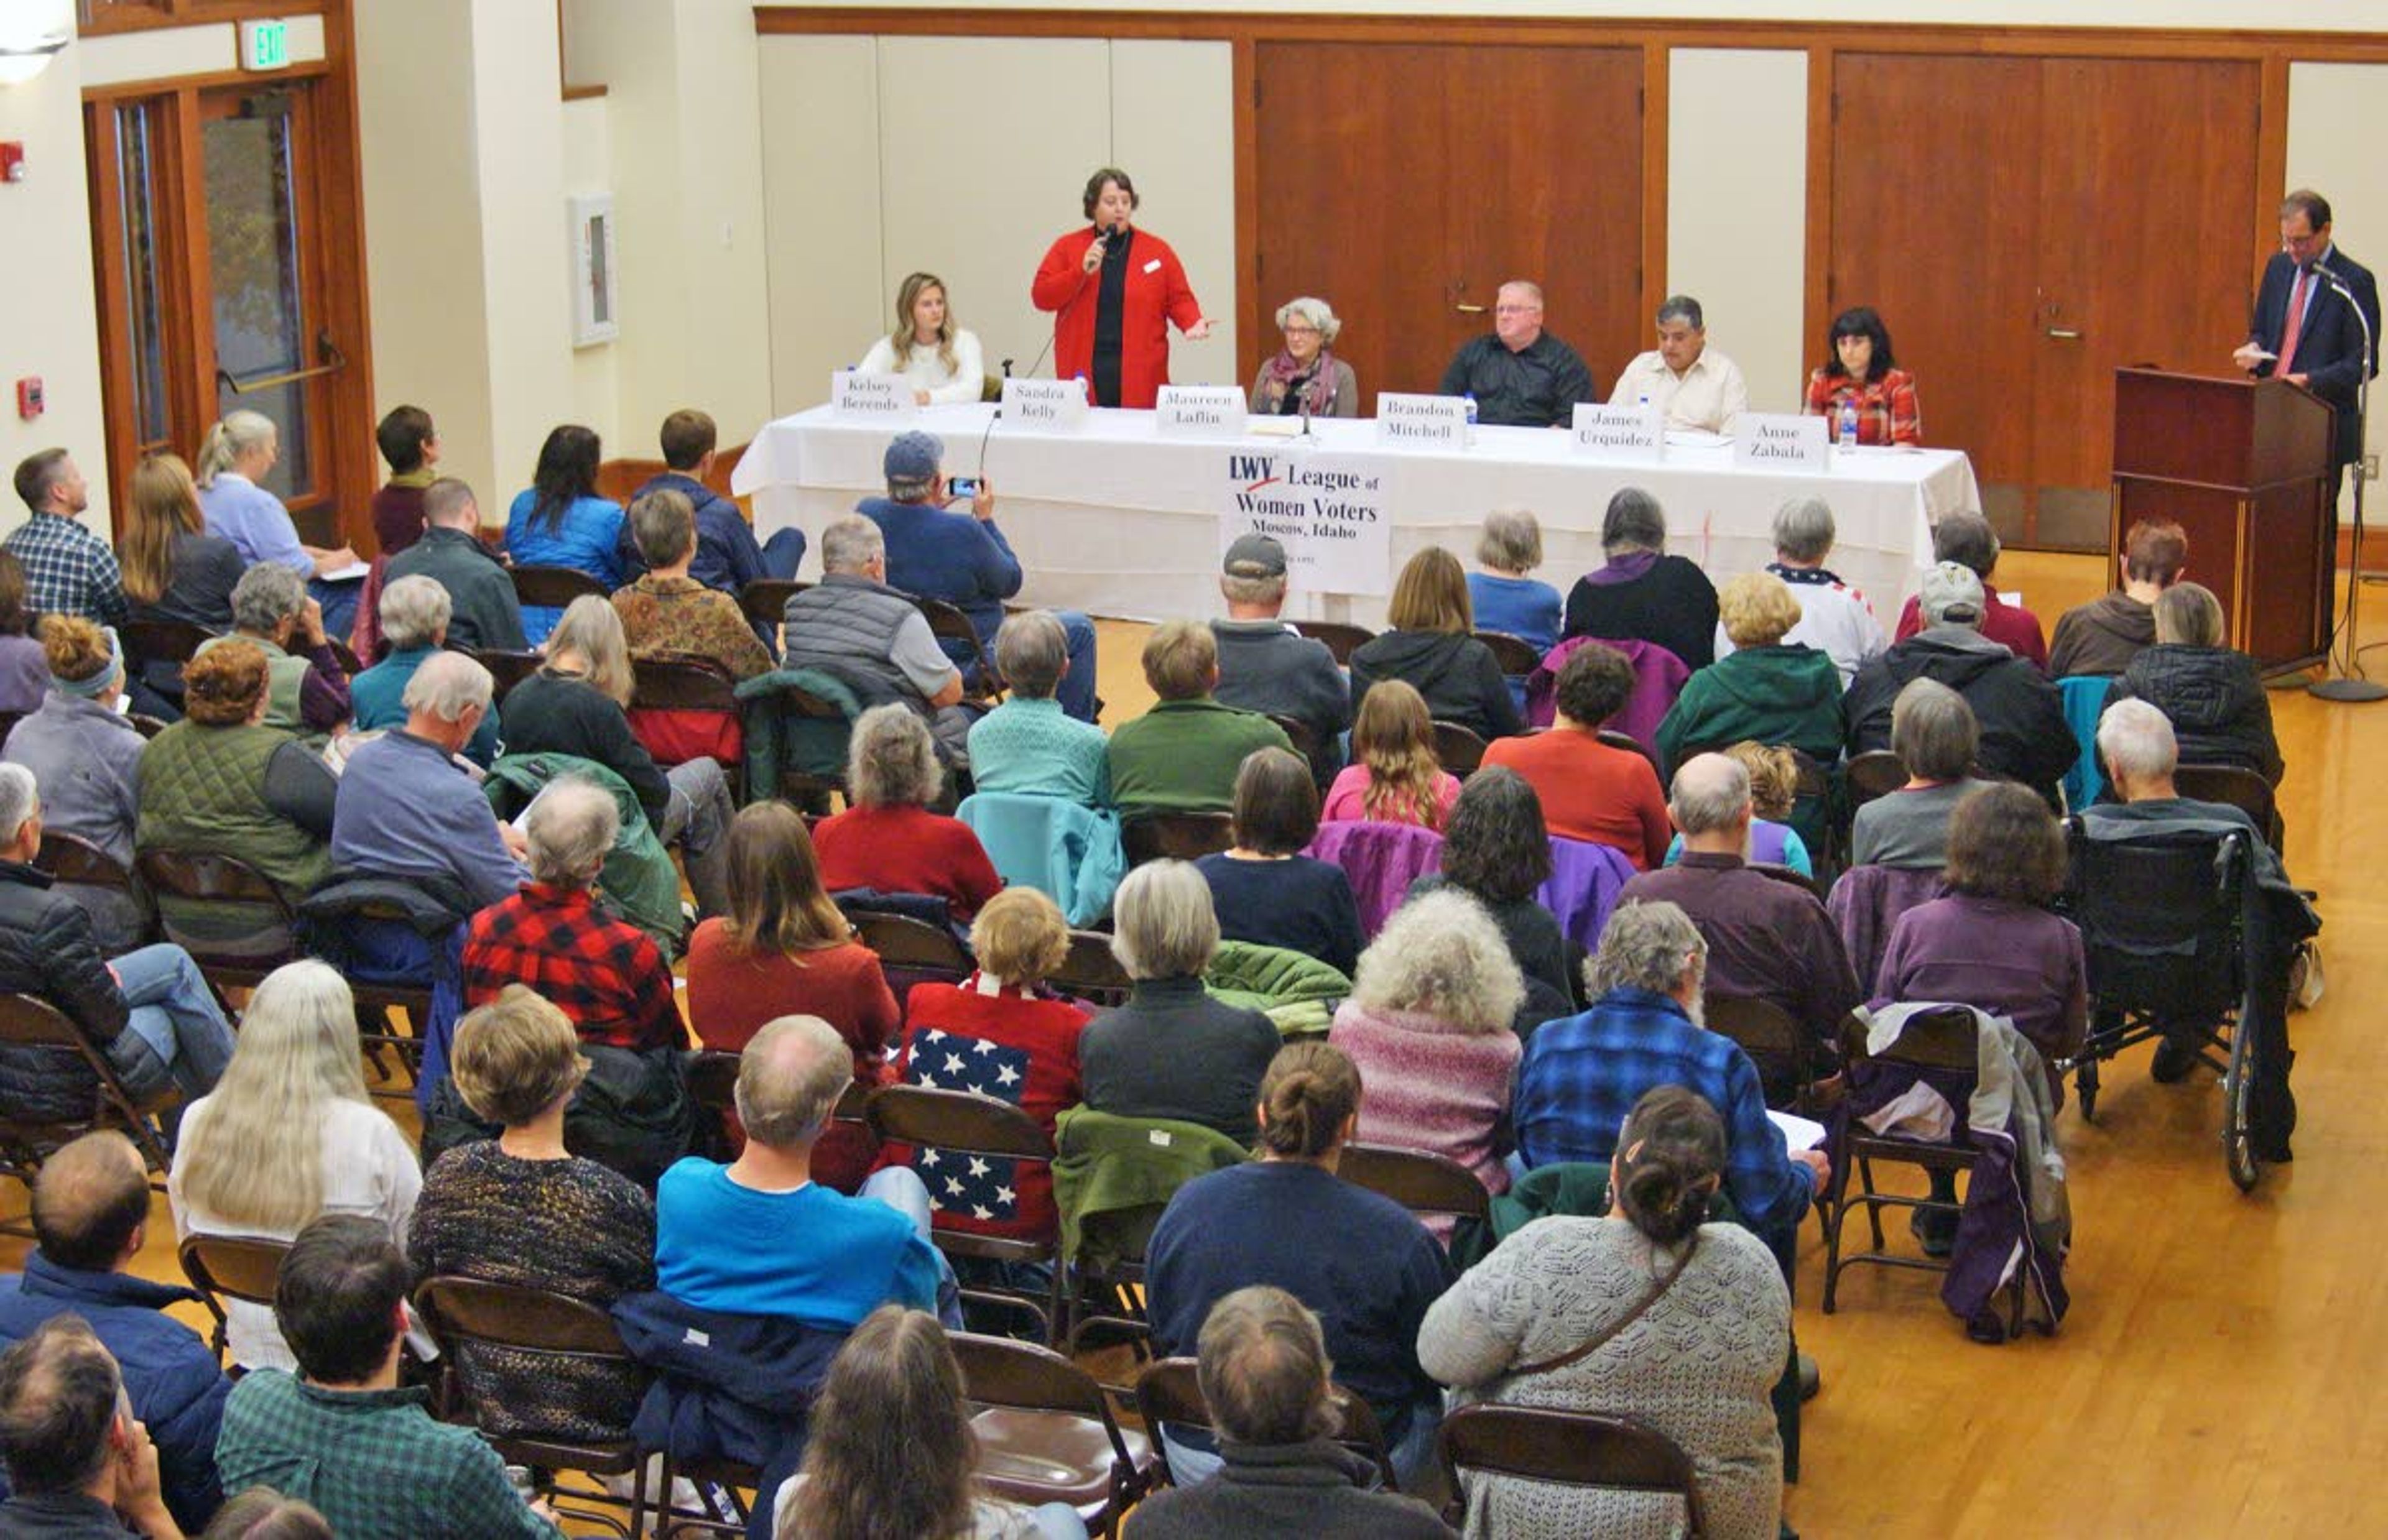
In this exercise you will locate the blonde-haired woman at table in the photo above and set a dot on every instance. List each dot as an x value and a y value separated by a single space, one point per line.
1306 376
942 360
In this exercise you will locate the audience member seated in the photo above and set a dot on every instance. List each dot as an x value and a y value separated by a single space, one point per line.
289 1134
173 568
1644 594
486 614
1429 1027
414 616
1432 648
873 639
220 782
1767 939
725 557
341 1432
1496 851
262 1513
999 1033
410 446
890 841
1172 1051
1588 789
2105 635
559 520
963 558
79 1462
1773 792
238 454
784 946
1834 617
307 688
1264 890
522 1210
607 976
1362 1261
1504 597
2019 713
1688 1320
668 611
1968 540
891 1451
406 809
91 1214
2208 689
1394 776
24 670
1581 1075
1933 732
1767 689
86 758
1267 665
68 569
1183 754
761 1237
578 703
1266 1377
1028 745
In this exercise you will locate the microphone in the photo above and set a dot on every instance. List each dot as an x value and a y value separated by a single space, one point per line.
2323 269
1006 368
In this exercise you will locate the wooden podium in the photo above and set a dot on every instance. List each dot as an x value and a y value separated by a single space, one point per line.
2243 466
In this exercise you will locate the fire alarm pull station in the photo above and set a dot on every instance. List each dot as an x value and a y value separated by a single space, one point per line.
28 397
12 161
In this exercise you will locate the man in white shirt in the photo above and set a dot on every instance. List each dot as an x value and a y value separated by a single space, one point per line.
1692 384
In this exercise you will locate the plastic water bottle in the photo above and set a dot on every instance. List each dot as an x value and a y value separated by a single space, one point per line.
1086 390
1848 425
1471 399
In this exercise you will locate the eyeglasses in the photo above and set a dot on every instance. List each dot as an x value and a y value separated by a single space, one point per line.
1301 331
1516 310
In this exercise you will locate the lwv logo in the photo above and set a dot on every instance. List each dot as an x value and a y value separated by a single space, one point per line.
1254 471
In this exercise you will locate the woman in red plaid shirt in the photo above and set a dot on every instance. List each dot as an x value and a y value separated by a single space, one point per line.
1862 368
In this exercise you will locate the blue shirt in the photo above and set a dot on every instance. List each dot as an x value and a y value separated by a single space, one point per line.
405 810
378 697
1582 1074
68 570
253 519
589 537
1035 749
1526 609
814 1255
727 557
954 557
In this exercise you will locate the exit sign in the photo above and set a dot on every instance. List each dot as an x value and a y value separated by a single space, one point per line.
264 44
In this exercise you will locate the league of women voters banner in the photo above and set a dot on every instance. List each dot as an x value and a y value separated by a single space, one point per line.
1329 511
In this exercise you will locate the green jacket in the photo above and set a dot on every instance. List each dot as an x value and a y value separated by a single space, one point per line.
779 738
203 791
1182 756
1787 694
1114 1176
1292 988
640 882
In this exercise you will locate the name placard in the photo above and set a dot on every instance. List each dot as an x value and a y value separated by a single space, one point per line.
1637 433
1198 411
876 397
1421 422
1056 406
1779 441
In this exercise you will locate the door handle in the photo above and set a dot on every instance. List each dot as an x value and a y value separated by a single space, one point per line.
2065 334
1470 309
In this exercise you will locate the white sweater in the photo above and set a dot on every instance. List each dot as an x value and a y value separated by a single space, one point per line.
927 372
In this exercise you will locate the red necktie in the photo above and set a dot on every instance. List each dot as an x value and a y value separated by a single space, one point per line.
2296 323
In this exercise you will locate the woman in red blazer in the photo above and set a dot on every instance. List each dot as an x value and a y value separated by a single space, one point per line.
1113 290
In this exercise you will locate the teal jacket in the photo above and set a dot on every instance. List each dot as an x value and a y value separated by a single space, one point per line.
1064 850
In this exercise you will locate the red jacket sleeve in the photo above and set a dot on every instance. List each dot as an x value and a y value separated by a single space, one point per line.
1061 275
1179 302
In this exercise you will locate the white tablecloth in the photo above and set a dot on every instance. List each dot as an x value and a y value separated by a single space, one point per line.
1115 521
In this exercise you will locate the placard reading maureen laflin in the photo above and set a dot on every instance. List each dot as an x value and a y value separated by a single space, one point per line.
1329 511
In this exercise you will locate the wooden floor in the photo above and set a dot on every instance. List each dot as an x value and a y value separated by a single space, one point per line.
2220 1375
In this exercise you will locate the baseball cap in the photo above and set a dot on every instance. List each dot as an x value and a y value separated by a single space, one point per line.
1951 591
914 456
1254 555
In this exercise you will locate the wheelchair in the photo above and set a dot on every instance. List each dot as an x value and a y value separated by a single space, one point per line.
2165 921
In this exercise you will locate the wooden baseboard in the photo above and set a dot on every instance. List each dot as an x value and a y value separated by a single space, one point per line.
2375 547
618 478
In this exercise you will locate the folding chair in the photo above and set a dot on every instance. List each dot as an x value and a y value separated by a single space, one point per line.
1427 1184
1176 836
1046 1433
1298 733
1342 640
950 625
548 1329
1514 654
811 789
507 669
1170 1390
979 1129
1570 1448
1875 772
764 600
1458 747
2234 787
1772 1039
1091 972
1627 743
213 877
164 642
72 859
912 952
232 1266
686 687
554 588
30 1022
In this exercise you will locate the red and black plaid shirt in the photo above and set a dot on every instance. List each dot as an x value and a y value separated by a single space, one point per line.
1887 412
608 976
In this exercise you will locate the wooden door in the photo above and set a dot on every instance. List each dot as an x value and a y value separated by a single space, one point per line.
2026 227
1402 182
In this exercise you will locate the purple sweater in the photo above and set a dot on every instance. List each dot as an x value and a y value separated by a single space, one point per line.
2009 959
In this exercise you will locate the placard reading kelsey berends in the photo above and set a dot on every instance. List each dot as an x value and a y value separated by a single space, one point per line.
1329 511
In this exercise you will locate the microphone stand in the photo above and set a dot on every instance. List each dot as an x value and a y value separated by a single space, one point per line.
2351 685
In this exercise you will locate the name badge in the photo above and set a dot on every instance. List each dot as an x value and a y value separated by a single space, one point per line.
1056 406
1153 266
1421 422
1198 411
879 398
1778 441
1637 433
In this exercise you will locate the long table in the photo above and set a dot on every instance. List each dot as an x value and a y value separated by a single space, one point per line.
1115 519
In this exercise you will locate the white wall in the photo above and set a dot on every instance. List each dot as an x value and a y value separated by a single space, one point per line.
1173 104
49 317
1736 208
823 264
589 168
2338 119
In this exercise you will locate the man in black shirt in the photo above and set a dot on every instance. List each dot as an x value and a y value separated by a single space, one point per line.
1520 375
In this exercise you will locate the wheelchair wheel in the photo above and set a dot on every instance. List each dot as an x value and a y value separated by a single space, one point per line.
2238 1105
2085 1085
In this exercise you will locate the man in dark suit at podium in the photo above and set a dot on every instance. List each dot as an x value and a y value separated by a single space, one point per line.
2304 330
